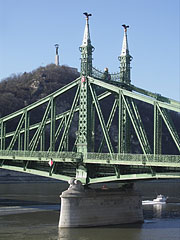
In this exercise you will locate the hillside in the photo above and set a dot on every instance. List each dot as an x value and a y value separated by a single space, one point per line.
21 90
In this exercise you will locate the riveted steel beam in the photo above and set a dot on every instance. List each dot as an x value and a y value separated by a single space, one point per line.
17 132
115 89
101 119
170 126
41 101
69 120
109 122
52 124
157 131
35 140
136 126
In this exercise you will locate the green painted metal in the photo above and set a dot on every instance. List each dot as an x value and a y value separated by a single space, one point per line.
53 119
26 131
134 177
101 119
17 132
86 121
172 161
124 126
113 87
157 131
69 120
169 163
25 148
170 126
111 116
3 134
42 141
138 127
39 173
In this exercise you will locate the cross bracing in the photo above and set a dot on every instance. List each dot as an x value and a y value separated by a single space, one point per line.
26 159
92 139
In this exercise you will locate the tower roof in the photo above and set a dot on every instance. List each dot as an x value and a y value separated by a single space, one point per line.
125 49
86 39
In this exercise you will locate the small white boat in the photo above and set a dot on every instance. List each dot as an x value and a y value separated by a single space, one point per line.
160 199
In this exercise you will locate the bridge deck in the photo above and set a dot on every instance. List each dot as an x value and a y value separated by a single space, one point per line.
95 158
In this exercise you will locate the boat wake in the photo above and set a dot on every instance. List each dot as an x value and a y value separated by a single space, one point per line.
160 199
151 202
27 209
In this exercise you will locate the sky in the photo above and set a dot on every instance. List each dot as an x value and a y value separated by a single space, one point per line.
30 28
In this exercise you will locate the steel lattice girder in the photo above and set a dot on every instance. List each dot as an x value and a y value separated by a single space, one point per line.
139 129
106 159
113 89
24 119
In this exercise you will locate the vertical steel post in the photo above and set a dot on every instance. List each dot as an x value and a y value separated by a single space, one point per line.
1 138
66 142
26 131
19 141
124 145
53 122
157 131
4 136
42 141
3 132
93 128
120 124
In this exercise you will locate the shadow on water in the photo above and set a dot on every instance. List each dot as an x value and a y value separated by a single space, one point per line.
106 233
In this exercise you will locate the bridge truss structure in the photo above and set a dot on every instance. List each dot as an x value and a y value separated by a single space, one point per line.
93 139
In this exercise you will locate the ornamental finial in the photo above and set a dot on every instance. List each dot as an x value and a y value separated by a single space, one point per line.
87 15
125 50
86 38
125 27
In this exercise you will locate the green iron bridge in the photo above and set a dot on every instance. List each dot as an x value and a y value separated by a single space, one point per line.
91 141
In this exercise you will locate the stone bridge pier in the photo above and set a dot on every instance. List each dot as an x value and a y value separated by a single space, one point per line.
85 207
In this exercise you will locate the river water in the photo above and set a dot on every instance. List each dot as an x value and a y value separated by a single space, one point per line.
30 211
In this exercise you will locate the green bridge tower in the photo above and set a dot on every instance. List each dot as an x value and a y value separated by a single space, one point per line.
85 134
125 77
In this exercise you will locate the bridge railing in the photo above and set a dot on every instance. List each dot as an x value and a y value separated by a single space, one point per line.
91 157
134 157
40 154
99 74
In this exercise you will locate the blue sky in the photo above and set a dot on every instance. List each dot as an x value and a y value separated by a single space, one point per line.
30 28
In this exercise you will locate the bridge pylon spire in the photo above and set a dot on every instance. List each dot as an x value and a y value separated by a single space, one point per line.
86 116
124 120
86 39
86 50
125 59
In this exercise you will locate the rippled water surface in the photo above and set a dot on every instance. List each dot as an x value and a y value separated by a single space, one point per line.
31 211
